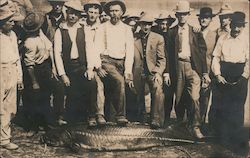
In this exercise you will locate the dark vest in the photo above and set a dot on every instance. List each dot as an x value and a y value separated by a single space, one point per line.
79 66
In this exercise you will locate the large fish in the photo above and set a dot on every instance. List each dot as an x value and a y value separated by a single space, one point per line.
112 138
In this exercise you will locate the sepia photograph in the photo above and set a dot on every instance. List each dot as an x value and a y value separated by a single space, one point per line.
124 78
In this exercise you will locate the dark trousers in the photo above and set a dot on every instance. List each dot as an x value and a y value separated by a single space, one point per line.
37 102
227 110
81 97
204 100
157 99
57 90
114 84
169 100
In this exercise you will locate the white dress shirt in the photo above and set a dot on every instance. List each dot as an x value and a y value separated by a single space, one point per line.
185 50
116 41
90 51
234 50
9 52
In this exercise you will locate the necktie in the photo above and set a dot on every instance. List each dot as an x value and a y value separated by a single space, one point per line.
180 38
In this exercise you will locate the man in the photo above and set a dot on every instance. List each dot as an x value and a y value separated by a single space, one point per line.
114 41
11 76
187 51
93 9
230 65
54 18
75 63
164 21
225 19
205 18
149 65
52 22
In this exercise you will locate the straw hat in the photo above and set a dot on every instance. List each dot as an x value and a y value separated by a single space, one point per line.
183 7
147 18
74 4
5 13
225 9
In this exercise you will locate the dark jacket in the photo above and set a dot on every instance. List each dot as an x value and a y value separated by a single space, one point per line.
198 51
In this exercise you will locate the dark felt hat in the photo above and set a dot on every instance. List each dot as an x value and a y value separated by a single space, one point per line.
114 2
238 18
33 22
206 12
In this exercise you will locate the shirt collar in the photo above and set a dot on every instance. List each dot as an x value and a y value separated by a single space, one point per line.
185 27
117 25
93 27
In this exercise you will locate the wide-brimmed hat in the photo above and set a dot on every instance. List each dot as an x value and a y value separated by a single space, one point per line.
33 22
5 13
114 2
225 9
74 4
91 3
165 16
14 8
206 12
57 1
238 18
183 7
147 18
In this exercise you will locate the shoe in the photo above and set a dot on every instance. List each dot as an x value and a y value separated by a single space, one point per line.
61 122
154 125
122 121
10 146
197 133
92 122
100 120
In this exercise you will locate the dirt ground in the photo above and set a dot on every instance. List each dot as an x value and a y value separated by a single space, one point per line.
30 147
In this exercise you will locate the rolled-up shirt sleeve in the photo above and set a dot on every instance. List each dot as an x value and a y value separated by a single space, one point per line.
19 67
30 52
129 59
58 53
217 53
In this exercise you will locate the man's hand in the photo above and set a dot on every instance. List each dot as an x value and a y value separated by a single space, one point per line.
54 73
129 80
221 79
89 74
35 86
65 80
197 29
41 56
206 78
167 80
157 78
101 72
20 86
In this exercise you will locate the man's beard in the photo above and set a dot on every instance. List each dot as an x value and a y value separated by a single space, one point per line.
115 20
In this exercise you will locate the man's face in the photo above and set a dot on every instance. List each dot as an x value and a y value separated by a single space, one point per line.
116 13
92 14
145 26
182 17
57 6
225 20
73 16
104 18
8 25
205 21
163 25
236 29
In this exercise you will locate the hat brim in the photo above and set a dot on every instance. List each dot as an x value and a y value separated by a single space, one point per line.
35 29
86 6
108 4
170 20
76 9
210 15
183 11
57 1
229 13
9 15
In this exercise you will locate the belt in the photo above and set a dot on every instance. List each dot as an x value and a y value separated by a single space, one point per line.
9 64
185 59
107 56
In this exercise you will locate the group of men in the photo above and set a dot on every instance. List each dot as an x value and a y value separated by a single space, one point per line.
95 64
